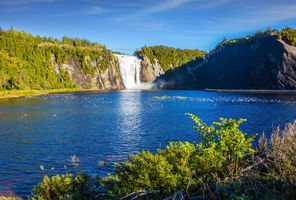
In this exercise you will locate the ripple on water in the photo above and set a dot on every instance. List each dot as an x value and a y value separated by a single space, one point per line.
49 130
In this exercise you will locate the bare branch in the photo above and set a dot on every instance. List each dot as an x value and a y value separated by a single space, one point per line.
179 195
104 195
139 194
252 166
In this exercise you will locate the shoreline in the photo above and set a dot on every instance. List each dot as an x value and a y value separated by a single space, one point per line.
15 94
12 94
254 91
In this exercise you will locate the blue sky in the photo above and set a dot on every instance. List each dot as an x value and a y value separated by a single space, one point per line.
131 24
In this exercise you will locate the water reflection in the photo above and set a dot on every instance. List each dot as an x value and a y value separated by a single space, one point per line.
129 124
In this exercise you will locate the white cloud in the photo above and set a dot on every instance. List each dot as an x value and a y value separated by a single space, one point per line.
147 26
212 3
167 5
11 6
96 10
22 2
278 13
16 9
253 18
196 4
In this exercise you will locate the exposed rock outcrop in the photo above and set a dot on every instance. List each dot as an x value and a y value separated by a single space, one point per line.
251 63
150 71
107 79
111 78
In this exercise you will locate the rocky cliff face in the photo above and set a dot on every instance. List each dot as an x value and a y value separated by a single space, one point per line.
107 79
111 78
150 71
252 63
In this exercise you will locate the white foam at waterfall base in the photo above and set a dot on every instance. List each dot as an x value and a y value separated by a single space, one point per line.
130 69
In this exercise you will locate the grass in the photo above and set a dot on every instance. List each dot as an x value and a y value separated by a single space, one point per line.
7 94
9 198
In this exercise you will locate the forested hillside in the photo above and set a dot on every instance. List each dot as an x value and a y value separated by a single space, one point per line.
26 61
34 62
169 57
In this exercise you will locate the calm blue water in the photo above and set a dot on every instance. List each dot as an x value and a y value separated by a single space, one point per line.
48 130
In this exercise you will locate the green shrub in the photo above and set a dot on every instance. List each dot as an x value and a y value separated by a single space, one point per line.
167 171
221 151
288 35
222 148
81 186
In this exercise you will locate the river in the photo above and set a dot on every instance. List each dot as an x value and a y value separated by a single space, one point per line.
50 130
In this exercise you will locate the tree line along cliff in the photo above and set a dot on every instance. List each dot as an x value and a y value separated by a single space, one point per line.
265 60
169 57
34 62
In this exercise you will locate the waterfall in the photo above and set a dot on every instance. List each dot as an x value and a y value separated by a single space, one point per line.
100 78
130 69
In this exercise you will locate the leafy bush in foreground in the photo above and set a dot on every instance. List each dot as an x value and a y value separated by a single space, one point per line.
66 187
222 148
222 165
167 171
221 151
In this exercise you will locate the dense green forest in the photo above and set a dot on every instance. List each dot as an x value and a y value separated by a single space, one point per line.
169 57
26 60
